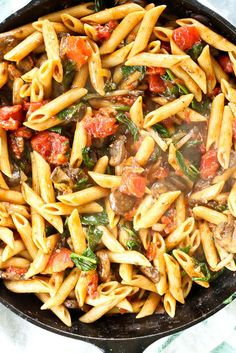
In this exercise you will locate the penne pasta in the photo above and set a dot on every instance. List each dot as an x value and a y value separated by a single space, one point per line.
156 60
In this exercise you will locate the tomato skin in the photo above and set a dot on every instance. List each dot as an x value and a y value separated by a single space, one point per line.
17 270
52 147
234 130
31 107
11 117
161 173
92 284
156 84
226 64
185 37
59 261
209 164
156 70
166 46
151 251
104 31
100 126
78 50
133 184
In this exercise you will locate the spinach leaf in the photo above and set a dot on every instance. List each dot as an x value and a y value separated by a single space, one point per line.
95 219
122 108
87 160
186 249
72 113
205 270
57 129
133 243
202 107
82 183
221 208
94 236
128 70
69 69
195 51
189 171
155 155
87 261
122 118
162 130
177 89
50 230
230 299
99 5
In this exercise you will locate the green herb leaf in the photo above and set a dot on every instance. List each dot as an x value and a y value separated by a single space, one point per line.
69 69
155 155
110 86
177 89
81 183
50 230
71 113
195 51
202 107
186 249
99 5
128 70
221 208
189 171
95 219
162 130
122 108
122 118
86 262
204 268
133 243
57 129
230 299
94 236
87 160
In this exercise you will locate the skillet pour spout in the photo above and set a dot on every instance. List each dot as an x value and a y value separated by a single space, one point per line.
125 334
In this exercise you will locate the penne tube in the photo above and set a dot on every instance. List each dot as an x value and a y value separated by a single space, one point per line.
36 203
106 180
109 240
58 27
77 233
112 216
81 288
72 23
6 235
4 161
229 91
179 234
145 150
225 139
101 165
55 282
84 196
3 74
60 209
36 91
79 142
96 72
9 252
186 285
131 257
150 211
81 77
232 56
36 285
208 245
232 200
3 184
44 178
107 288
136 112
209 193
126 272
168 110
46 114
188 265
15 261
204 60
223 254
160 265
19 33
145 30
67 286
76 11
25 47
12 196
194 241
215 121
219 72
156 137
225 175
114 13
142 282
169 304
207 35
180 210
209 215
7 222
192 68
154 47
17 85
60 310
44 75
149 306
121 32
156 60
188 81
117 57
174 278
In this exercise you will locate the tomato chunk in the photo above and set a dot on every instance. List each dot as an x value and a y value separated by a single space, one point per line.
185 37
92 284
234 130
78 50
101 125
156 84
52 146
226 64
156 70
133 184
11 117
104 31
59 261
209 164
31 107
151 251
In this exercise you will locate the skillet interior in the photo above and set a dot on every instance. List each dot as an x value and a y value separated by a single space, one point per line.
112 333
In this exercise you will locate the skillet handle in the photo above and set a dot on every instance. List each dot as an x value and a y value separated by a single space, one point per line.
129 346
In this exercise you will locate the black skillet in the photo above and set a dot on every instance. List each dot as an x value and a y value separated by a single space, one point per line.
121 334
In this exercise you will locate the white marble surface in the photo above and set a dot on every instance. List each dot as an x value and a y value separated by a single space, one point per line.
215 335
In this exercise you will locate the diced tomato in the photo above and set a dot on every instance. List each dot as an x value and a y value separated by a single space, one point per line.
17 270
52 146
161 173
166 46
11 117
234 130
104 31
78 50
202 148
156 84
209 164
169 221
185 37
92 284
151 251
133 184
100 126
124 100
169 123
31 107
226 64
59 261
215 92
156 70
130 215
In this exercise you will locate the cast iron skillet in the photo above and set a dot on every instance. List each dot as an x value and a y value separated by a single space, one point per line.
123 334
